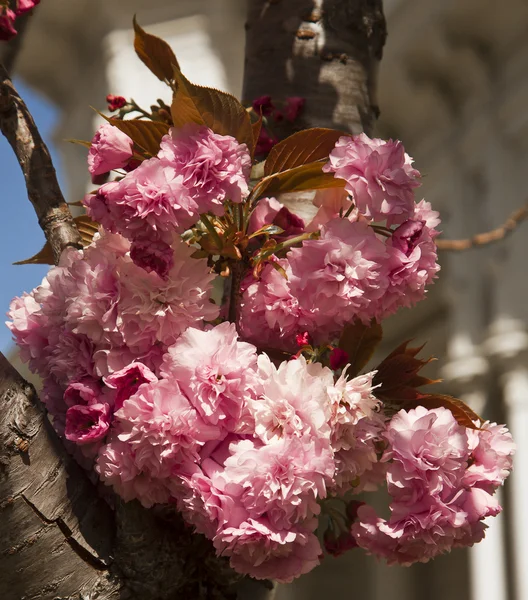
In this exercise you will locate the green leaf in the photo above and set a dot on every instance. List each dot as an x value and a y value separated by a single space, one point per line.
303 147
87 228
155 53
220 111
359 341
298 179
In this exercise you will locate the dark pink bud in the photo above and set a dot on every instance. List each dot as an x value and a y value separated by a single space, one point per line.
115 102
265 142
264 105
25 5
406 236
302 339
338 359
294 107
7 24
352 509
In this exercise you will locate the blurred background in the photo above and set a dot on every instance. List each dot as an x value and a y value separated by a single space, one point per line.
454 88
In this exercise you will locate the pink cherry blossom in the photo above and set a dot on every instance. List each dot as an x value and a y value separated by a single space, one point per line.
339 277
378 176
213 168
152 255
86 424
153 310
269 314
282 480
293 401
84 392
116 467
127 381
217 372
263 552
148 200
163 428
413 260
269 211
110 149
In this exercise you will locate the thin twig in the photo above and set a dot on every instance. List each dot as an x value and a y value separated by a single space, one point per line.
482 239
34 158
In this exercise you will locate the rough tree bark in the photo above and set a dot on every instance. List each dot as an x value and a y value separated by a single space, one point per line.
59 540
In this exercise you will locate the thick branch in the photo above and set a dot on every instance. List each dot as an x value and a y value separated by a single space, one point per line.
55 532
43 189
326 51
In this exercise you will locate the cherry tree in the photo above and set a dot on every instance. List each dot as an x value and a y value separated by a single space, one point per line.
209 408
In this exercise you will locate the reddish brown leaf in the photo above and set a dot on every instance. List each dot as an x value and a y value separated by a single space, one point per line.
298 179
461 411
220 111
87 228
256 126
303 147
359 341
155 53
397 376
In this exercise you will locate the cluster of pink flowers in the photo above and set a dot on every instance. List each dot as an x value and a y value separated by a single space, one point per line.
381 257
441 477
169 405
196 171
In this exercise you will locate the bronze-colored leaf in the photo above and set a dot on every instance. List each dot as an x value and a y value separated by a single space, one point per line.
44 257
397 376
87 228
463 414
256 126
80 142
145 134
155 53
220 111
303 147
298 179
359 341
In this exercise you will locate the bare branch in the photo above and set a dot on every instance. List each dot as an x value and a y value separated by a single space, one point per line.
482 239
34 158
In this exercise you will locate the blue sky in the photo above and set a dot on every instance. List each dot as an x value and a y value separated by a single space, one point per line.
21 236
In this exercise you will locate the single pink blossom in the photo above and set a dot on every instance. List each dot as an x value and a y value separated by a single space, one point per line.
85 392
270 211
110 149
379 176
282 480
127 381
263 552
218 374
86 424
152 255
213 168
117 467
7 24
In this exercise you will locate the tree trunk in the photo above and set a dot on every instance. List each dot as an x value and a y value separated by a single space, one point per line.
59 539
